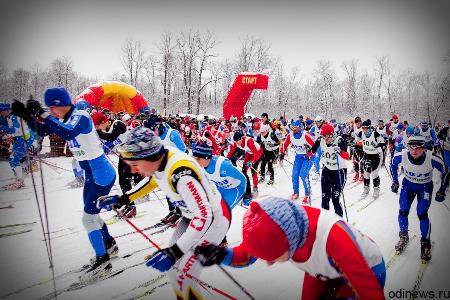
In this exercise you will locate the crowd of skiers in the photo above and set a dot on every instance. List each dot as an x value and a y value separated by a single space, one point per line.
208 166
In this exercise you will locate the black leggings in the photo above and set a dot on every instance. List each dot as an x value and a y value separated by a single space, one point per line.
332 186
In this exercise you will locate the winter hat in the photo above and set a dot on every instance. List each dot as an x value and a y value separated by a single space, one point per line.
366 123
237 136
5 106
141 143
326 129
318 119
82 105
273 226
308 122
296 123
394 117
409 130
99 118
57 96
416 141
400 126
202 150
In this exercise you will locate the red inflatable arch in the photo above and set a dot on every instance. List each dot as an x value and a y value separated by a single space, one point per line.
240 92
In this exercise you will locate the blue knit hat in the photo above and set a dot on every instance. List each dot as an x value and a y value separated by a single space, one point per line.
202 150
57 96
273 226
141 143
5 106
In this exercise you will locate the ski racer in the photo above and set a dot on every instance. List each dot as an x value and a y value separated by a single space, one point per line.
334 172
271 145
76 127
205 215
339 261
428 133
230 182
301 142
418 165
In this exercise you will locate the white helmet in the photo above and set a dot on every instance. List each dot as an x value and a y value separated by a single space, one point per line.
126 117
318 119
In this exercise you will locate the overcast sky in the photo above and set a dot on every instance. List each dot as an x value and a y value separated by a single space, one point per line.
413 33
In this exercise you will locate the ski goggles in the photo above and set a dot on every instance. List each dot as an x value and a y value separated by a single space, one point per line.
416 145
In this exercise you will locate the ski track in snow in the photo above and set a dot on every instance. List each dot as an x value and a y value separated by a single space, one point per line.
26 272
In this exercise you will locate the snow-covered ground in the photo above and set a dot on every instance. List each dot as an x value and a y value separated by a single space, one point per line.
25 268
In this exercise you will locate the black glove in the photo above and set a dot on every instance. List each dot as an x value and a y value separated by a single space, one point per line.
34 108
394 187
19 109
210 254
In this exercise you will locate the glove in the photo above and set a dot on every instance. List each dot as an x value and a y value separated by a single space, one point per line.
281 156
34 108
309 154
109 202
19 109
249 164
440 196
395 186
164 259
210 254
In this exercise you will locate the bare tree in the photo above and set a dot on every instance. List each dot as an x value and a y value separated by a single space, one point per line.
166 49
351 70
133 60
20 79
206 44
61 72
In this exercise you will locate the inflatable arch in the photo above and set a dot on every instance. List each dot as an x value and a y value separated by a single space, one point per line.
114 96
240 92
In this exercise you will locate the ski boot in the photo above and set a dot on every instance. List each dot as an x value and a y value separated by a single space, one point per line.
425 250
402 243
270 182
306 200
101 267
365 191
111 247
294 197
18 184
376 192
129 211
171 219
261 179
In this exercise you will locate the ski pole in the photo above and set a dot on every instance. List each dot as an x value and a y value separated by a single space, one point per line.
236 282
342 188
141 232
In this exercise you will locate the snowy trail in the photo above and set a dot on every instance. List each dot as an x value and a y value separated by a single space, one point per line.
26 274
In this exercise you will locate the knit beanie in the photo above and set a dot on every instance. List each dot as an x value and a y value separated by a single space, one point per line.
99 118
202 150
57 96
273 226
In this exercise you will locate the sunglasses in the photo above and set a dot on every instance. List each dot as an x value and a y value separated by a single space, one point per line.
415 146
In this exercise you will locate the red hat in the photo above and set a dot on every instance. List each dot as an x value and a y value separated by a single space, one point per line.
395 117
99 118
326 129
273 226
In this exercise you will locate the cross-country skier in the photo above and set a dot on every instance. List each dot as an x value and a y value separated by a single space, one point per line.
381 129
428 133
418 165
332 182
252 157
230 182
339 261
444 137
76 127
357 151
372 143
271 145
18 136
315 133
302 143
205 215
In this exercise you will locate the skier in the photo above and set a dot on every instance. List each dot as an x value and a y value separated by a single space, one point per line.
332 182
230 182
444 137
339 261
315 133
428 133
372 144
205 215
170 138
357 151
17 135
302 142
381 129
113 136
252 157
270 144
418 165
76 127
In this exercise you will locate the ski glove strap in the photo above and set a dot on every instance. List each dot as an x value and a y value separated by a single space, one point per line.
210 254
109 202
